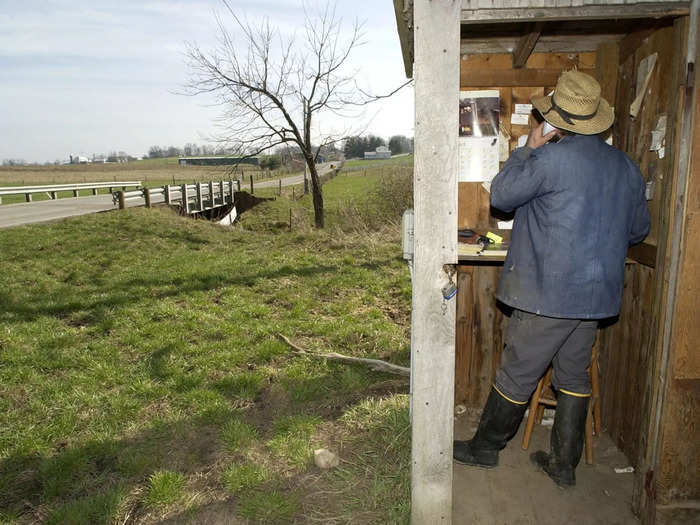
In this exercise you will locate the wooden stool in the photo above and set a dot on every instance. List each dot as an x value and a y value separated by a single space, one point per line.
541 398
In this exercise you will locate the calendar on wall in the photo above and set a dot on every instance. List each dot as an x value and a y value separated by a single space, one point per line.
479 118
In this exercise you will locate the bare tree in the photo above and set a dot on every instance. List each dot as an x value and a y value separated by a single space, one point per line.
272 86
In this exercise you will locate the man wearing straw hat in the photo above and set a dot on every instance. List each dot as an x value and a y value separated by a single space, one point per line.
579 203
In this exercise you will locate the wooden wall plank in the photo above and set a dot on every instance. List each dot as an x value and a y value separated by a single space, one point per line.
464 332
479 333
607 61
436 73
483 70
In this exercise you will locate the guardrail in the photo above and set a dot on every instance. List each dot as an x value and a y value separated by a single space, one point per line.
53 189
193 198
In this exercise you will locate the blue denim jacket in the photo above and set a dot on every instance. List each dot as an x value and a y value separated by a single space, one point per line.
579 203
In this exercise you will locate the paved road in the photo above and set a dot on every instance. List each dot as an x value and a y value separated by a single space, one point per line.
45 211
51 210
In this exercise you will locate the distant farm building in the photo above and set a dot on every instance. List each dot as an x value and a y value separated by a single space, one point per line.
78 159
217 161
382 152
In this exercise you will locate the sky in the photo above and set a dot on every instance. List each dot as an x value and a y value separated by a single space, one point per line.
86 77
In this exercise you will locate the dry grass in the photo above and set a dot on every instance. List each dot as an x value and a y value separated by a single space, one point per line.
147 171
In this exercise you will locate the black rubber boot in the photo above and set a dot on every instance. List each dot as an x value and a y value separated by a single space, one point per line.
499 422
566 441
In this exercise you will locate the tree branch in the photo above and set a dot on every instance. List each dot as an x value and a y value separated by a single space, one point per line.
374 364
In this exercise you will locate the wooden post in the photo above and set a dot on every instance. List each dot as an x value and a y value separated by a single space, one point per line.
28 197
94 191
251 185
211 194
199 196
185 202
53 194
75 193
166 193
221 192
436 74
122 200
280 190
230 184
147 196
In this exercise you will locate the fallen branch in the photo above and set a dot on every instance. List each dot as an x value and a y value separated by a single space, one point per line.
374 364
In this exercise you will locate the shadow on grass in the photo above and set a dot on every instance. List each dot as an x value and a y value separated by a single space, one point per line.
134 291
89 483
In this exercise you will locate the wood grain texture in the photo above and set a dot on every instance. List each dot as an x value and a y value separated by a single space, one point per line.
686 338
464 331
569 10
542 69
436 74
480 324
525 45
607 61
643 494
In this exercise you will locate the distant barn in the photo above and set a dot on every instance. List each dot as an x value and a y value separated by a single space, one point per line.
382 152
217 161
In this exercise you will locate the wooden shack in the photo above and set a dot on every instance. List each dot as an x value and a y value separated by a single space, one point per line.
649 358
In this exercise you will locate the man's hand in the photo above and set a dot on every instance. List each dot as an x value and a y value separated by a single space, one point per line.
535 138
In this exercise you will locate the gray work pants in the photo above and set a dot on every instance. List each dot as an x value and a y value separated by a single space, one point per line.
532 342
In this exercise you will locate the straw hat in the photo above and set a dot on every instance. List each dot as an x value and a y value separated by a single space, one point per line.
576 105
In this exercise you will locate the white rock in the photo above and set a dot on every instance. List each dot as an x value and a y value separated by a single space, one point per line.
325 459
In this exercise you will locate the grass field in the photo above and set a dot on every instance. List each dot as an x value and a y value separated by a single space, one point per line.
142 379
151 172
403 160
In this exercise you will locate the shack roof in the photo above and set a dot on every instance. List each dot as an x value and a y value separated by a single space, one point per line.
493 26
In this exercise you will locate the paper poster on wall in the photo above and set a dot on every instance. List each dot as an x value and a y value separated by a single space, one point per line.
478 135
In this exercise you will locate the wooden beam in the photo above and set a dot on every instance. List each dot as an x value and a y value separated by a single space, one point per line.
472 14
525 45
403 11
512 77
436 163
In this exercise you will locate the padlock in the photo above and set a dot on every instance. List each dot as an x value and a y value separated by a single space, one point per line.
449 290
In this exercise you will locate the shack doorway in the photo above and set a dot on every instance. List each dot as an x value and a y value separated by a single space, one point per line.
643 56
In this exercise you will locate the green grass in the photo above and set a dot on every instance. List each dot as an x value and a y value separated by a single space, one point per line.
239 477
237 435
164 487
270 507
140 342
